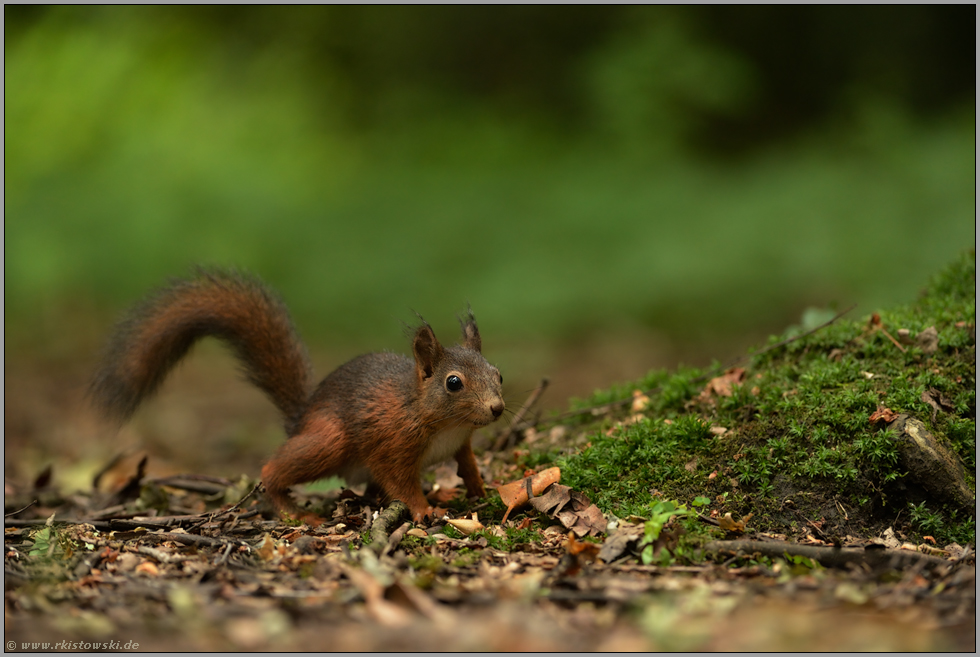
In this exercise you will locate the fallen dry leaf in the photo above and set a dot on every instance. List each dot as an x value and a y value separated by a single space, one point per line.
577 553
466 525
640 402
582 516
623 539
928 340
729 524
883 414
938 401
514 494
721 386
572 508
148 568
267 550
554 498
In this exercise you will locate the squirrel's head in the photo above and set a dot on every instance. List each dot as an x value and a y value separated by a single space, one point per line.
458 380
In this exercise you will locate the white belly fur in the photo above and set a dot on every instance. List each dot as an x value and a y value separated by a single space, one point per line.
445 444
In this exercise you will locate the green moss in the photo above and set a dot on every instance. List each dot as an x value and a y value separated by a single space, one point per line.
798 428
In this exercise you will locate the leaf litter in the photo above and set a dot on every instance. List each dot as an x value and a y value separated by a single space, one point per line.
193 562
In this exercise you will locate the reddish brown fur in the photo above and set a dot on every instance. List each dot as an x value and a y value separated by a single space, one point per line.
380 413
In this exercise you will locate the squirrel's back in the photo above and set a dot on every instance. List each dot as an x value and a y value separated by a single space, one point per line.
233 307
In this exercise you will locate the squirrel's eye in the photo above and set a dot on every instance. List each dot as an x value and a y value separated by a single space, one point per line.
500 376
454 383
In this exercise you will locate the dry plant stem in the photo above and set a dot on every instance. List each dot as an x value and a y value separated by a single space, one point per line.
827 556
13 513
740 359
190 539
508 438
396 512
787 341
894 341
395 538
707 520
235 505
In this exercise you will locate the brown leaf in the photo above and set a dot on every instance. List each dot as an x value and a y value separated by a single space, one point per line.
928 340
623 539
268 548
466 525
938 402
514 494
883 414
640 402
721 386
553 499
729 524
148 568
582 516
584 549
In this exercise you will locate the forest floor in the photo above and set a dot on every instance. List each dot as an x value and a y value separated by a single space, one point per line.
776 504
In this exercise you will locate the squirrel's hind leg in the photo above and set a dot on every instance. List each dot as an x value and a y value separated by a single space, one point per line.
305 457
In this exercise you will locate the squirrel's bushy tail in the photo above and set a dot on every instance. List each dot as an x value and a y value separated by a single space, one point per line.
233 307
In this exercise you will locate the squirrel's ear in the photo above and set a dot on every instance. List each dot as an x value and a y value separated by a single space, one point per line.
428 351
471 334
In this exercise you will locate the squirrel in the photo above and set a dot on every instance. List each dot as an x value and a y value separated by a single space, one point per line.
381 417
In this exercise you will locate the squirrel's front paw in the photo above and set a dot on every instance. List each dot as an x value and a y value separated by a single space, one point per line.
433 512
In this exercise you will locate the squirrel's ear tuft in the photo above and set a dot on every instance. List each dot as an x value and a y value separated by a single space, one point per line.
428 351
471 334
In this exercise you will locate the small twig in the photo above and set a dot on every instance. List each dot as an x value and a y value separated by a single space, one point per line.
13 513
159 555
205 518
827 555
386 519
183 482
186 539
224 557
816 530
785 342
707 520
507 438
967 553
395 538
736 361
894 341
239 502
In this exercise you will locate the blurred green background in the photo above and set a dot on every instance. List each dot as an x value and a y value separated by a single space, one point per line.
686 173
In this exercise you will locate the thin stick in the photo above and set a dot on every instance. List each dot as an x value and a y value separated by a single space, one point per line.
894 341
519 416
651 391
794 338
13 513
210 517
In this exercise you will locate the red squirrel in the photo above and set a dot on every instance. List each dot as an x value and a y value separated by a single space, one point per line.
381 417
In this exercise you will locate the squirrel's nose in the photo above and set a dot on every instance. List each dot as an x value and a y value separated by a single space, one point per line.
497 409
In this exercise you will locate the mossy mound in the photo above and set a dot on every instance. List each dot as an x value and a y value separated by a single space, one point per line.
805 433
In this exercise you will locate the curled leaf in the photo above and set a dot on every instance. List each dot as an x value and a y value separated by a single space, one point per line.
466 525
514 494
729 524
883 414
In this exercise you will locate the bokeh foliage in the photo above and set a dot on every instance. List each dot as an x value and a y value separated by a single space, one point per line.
689 169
